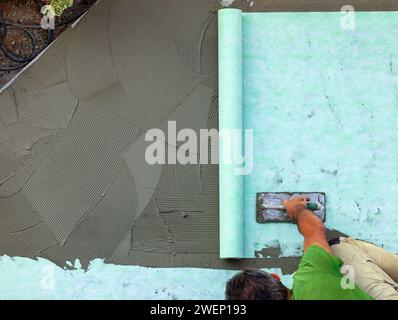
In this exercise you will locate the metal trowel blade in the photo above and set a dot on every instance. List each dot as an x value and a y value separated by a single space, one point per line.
276 198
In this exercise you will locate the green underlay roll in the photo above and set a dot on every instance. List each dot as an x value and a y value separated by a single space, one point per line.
230 118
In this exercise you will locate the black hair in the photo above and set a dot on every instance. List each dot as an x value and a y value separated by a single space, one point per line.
255 285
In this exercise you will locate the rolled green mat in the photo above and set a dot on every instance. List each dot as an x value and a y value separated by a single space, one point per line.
230 117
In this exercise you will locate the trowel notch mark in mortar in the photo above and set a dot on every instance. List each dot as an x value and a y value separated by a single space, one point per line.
150 114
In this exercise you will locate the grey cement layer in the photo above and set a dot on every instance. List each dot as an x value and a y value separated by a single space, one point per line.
74 183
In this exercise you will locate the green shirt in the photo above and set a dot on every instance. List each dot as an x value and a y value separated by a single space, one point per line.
318 278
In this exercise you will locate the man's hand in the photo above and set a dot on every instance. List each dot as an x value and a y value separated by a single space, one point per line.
295 205
310 226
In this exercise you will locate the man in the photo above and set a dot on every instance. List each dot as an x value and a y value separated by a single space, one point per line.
319 276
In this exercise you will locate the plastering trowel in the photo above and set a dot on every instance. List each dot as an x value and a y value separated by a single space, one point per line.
270 208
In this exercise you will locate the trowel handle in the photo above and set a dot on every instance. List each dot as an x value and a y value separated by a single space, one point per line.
313 206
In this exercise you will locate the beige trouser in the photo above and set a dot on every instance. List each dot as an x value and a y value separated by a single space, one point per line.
375 270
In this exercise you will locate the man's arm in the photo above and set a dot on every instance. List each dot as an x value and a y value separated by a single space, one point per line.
309 225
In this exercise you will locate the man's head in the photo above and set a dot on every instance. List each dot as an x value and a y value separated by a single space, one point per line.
256 285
